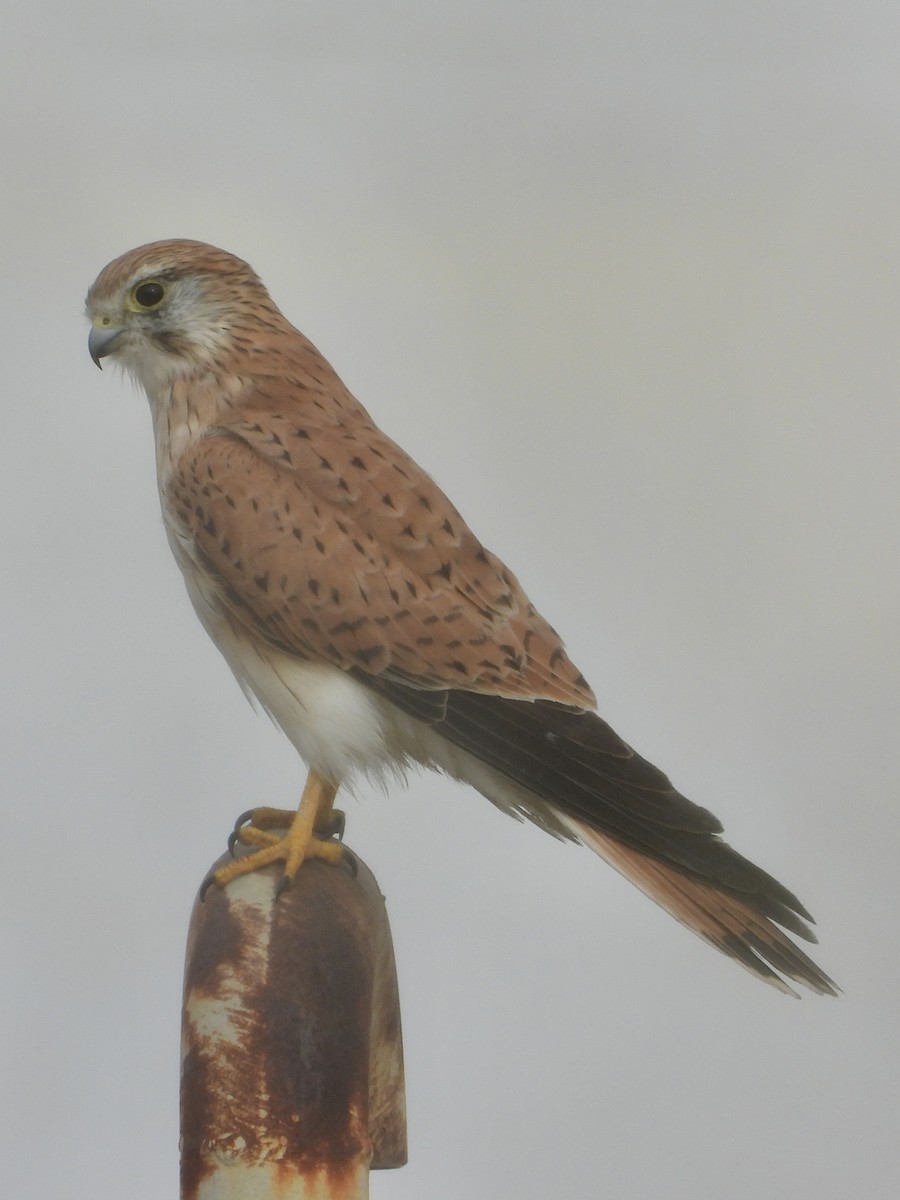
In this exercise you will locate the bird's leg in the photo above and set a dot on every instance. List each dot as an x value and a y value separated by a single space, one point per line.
315 816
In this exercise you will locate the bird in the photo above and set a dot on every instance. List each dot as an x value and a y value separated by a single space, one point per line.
354 603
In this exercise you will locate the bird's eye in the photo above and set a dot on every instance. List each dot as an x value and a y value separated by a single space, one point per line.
149 295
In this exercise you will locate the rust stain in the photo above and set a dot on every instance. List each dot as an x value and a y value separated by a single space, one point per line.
218 1094
314 1032
216 942
196 1115
334 1180
282 1010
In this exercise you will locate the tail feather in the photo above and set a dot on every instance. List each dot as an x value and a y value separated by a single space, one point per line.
722 920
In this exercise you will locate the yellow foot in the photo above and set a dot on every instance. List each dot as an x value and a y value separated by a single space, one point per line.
328 825
300 842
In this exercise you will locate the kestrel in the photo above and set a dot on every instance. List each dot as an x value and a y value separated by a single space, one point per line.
351 599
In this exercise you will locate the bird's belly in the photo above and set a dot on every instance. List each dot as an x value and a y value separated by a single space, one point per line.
338 726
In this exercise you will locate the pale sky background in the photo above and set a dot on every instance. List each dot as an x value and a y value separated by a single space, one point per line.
625 277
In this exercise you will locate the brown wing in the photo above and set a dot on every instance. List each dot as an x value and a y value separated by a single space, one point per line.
328 540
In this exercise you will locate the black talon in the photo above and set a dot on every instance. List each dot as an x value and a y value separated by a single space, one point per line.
243 819
337 825
283 884
233 838
350 860
206 885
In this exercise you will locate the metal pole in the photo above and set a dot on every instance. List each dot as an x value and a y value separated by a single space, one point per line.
292 1069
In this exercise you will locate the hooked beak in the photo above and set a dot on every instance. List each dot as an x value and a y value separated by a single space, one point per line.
101 341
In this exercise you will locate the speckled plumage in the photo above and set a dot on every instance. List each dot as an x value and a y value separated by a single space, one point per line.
351 598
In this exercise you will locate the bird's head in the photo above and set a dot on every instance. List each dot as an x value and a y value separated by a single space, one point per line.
172 306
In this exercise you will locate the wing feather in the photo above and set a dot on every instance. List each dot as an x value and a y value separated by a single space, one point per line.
335 546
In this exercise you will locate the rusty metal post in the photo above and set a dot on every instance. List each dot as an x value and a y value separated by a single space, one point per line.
292 1070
